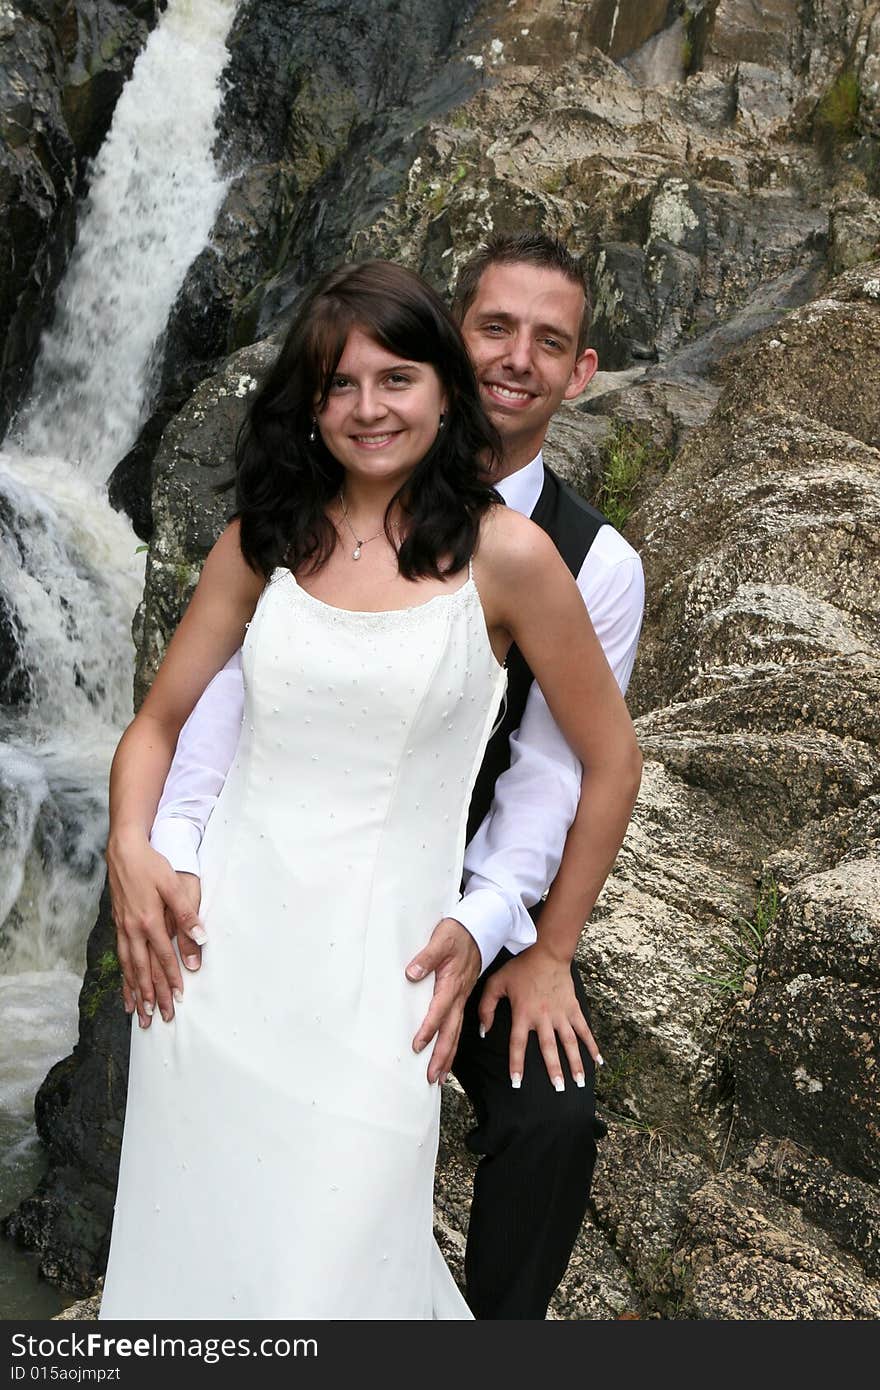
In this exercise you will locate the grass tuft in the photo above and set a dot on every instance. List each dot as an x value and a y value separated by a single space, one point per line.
742 956
626 454
837 115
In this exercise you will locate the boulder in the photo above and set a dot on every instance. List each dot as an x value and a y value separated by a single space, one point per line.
746 1254
806 1052
79 1111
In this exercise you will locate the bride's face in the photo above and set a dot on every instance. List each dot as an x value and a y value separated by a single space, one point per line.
382 412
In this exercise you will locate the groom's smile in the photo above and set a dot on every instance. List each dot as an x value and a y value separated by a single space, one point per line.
522 330
507 395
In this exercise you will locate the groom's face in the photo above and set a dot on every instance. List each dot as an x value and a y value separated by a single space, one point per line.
522 330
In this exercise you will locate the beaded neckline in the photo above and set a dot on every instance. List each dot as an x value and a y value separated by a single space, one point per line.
390 619
374 612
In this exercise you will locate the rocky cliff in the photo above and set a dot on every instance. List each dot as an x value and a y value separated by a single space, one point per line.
718 165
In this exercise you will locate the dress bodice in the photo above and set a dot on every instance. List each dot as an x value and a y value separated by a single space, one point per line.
372 724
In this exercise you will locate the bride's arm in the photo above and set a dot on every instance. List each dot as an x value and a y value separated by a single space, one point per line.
141 881
529 594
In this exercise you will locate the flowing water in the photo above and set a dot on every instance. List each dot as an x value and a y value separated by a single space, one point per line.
70 572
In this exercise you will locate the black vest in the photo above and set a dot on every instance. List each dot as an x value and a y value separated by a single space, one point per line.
572 524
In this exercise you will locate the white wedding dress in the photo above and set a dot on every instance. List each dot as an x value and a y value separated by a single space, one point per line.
280 1136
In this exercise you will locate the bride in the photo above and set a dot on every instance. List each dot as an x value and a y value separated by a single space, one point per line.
281 1134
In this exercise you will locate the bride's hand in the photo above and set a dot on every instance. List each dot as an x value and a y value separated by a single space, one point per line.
541 994
142 886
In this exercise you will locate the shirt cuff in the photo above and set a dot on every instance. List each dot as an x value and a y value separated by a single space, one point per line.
486 915
178 840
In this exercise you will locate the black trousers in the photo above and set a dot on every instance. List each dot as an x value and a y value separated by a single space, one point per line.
538 1149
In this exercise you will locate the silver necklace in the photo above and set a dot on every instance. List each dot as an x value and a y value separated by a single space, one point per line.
358 543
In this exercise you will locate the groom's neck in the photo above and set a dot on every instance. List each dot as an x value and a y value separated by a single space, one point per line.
514 457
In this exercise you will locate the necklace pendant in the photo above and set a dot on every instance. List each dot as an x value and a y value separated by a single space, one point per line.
356 553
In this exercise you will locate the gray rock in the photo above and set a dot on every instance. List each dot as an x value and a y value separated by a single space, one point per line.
655 941
619 27
745 1254
79 1111
575 448
641 1194
806 1052
854 233
741 32
195 456
845 1207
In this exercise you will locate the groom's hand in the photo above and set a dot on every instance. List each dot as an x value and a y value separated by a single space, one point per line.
454 957
142 887
190 935
541 994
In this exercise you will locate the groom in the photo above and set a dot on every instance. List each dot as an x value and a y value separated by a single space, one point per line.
523 307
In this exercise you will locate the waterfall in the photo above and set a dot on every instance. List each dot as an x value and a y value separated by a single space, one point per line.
70 572
154 195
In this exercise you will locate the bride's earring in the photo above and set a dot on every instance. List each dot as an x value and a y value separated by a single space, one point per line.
442 421
313 432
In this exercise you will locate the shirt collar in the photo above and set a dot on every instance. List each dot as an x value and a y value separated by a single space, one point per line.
522 489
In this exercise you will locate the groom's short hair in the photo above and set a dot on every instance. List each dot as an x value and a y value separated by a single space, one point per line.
528 248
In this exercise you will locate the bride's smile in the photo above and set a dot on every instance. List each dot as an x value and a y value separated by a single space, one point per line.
382 412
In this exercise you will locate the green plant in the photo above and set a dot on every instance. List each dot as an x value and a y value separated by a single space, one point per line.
837 115
626 454
657 1136
139 549
615 1074
688 17
555 181
742 956
107 978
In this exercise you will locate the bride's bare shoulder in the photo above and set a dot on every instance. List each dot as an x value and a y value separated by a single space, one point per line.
226 565
511 545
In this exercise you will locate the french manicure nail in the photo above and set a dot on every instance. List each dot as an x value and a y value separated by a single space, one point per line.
129 1008
142 1022
178 995
482 1031
191 962
149 1008
516 1080
199 935
166 1015
600 1061
559 1084
579 1079
415 972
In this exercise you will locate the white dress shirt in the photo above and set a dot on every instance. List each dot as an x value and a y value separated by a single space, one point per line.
516 852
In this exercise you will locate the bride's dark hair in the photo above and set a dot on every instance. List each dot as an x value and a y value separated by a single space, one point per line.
285 478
